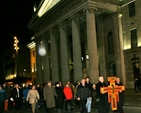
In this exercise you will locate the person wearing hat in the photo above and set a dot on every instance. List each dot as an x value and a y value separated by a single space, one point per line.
49 94
59 100
2 99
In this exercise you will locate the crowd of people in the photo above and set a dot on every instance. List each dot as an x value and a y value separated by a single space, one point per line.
84 95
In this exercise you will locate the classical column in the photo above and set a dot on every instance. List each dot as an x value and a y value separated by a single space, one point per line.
54 56
92 46
46 69
101 48
120 65
77 63
39 74
64 54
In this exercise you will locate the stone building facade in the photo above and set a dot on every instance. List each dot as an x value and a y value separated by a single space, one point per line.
85 38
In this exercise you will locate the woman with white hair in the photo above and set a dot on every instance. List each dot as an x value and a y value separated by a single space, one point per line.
102 98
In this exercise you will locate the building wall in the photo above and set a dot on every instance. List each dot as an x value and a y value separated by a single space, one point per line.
129 23
24 61
8 63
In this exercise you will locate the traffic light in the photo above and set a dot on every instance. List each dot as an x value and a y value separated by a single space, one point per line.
16 43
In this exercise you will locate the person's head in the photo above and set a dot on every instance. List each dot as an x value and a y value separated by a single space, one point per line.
38 85
118 80
16 86
101 79
33 87
4 85
87 79
83 81
26 85
49 83
0 87
94 86
57 84
68 82
60 83
67 85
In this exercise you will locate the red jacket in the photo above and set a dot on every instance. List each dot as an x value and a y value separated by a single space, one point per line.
68 93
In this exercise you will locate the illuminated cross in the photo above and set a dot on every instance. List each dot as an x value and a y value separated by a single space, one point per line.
112 90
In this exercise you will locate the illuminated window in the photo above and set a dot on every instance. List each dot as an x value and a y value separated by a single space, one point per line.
131 7
34 67
110 43
33 53
133 38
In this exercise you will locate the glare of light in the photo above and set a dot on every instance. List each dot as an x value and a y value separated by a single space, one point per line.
47 5
87 57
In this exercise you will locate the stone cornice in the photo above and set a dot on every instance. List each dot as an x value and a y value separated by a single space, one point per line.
57 18
71 9
116 2
107 6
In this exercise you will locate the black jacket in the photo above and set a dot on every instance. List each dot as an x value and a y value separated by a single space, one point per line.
83 92
14 93
121 94
103 98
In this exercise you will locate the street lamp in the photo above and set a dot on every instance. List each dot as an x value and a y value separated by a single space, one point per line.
42 53
42 50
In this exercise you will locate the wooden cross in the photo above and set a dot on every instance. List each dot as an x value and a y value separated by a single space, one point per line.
112 90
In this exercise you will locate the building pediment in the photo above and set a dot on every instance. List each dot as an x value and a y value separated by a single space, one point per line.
43 8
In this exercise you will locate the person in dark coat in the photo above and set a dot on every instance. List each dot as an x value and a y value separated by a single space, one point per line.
59 98
102 98
49 94
25 92
17 96
82 93
2 99
121 97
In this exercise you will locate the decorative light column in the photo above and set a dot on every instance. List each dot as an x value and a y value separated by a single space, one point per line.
16 41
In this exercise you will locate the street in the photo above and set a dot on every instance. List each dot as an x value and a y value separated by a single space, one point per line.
132 104
127 109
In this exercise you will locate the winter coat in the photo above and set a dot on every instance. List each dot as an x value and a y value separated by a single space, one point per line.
33 96
2 95
49 96
25 92
59 100
68 93
103 98
82 92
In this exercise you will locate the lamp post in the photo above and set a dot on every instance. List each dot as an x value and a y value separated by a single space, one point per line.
16 41
42 50
42 53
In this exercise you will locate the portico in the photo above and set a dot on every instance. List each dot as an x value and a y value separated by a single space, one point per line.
76 39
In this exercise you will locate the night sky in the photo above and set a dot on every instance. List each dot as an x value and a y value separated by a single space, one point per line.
15 15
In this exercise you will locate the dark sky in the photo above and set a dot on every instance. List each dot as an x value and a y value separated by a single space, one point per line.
14 17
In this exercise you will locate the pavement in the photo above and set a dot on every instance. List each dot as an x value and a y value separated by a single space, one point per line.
132 104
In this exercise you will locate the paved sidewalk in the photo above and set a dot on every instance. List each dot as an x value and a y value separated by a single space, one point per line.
132 98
